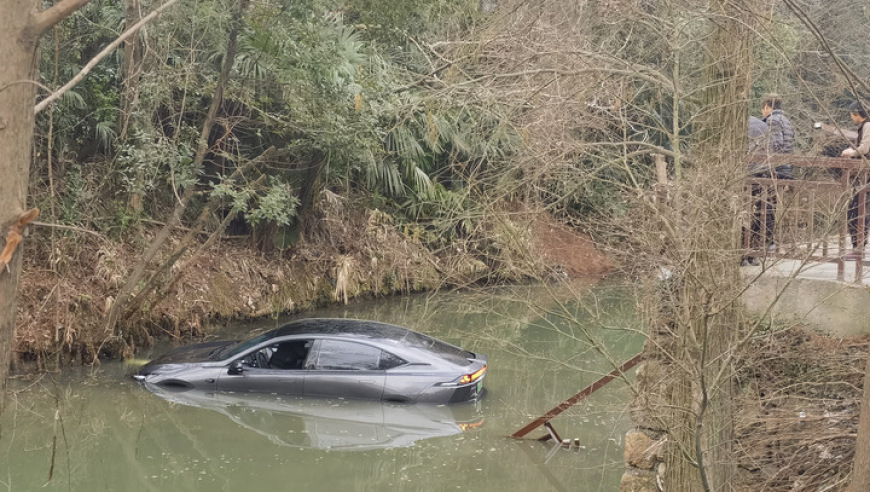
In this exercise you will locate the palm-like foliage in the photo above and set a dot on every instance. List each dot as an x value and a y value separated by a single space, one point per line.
302 80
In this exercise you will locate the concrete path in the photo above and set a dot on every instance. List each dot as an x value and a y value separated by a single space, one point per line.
813 270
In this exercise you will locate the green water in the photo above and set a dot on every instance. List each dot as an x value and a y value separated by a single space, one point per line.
97 430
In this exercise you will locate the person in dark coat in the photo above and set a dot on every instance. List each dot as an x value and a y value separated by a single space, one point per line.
757 144
773 134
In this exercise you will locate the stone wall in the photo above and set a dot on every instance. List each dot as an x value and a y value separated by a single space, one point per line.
645 442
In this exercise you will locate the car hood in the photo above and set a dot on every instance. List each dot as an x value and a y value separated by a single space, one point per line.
190 353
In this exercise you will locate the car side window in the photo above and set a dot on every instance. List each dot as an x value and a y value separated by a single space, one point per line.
290 354
389 361
258 359
339 355
283 355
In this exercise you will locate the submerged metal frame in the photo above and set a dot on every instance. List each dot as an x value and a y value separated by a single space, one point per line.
544 420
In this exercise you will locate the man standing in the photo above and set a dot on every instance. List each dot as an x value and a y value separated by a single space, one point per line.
861 149
777 139
780 138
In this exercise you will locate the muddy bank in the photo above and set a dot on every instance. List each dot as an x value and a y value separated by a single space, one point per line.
798 403
70 280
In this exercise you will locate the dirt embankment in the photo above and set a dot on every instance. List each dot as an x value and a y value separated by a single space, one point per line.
70 281
798 403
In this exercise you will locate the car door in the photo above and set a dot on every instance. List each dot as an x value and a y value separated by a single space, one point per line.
344 369
268 369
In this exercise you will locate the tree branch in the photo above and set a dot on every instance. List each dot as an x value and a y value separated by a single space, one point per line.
102 54
47 19
851 77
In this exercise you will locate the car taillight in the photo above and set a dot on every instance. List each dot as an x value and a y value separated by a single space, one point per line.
470 378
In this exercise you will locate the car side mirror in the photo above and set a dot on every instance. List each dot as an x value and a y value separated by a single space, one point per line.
236 368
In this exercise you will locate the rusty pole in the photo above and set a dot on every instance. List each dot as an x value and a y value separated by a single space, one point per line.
579 396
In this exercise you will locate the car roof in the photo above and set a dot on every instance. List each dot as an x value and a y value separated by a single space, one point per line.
344 327
396 336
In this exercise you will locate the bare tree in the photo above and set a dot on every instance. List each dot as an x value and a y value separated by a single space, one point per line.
126 293
595 101
23 25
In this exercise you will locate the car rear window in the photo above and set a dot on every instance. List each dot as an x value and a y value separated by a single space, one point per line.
444 350
340 355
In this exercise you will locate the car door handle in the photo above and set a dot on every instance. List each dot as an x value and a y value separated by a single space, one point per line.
209 380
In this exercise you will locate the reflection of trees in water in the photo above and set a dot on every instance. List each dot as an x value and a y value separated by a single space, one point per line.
559 316
107 433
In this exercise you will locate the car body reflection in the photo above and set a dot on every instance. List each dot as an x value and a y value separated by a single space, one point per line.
349 425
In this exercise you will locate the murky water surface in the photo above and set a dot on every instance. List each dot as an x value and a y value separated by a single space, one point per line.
97 430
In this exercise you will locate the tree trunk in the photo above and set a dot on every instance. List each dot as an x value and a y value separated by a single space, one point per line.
17 93
708 302
132 69
20 31
861 468
698 313
126 293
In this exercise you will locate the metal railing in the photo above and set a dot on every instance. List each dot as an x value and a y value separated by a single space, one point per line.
810 214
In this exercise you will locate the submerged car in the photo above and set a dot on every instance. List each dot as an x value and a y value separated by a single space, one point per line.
333 358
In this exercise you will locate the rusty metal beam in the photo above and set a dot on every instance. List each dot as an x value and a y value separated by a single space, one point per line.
544 419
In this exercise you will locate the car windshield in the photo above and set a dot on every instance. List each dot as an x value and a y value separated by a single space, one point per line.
442 349
236 349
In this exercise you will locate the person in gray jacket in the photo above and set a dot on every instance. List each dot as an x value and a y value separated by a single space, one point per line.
780 133
777 137
757 134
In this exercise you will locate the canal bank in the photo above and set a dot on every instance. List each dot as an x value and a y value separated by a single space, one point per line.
797 385
353 252
791 292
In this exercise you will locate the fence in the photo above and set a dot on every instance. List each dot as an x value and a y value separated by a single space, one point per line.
808 218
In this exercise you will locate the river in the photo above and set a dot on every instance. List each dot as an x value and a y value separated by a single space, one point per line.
97 430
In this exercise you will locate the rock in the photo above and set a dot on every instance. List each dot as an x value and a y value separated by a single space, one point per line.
641 451
638 481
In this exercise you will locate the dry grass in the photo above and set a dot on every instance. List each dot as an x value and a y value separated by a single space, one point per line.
348 251
798 411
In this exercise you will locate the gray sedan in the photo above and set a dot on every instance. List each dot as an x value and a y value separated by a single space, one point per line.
334 358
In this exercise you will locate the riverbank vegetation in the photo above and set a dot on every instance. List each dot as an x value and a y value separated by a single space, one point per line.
798 403
250 158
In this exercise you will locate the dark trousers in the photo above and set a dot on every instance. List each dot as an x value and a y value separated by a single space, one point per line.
763 209
852 218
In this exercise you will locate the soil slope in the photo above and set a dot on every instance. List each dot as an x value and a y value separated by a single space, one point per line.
64 297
